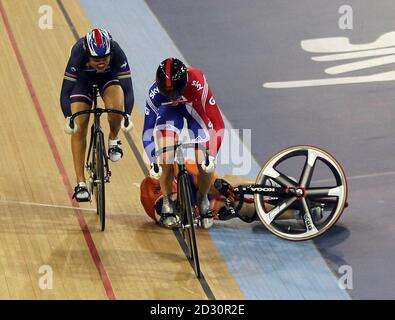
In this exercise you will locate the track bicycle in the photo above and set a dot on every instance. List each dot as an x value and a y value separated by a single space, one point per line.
293 208
97 159
185 208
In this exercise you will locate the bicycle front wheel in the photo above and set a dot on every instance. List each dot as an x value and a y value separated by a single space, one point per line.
100 181
188 222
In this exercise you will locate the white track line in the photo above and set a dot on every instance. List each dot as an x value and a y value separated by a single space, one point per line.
342 44
372 175
360 65
385 76
27 203
354 55
364 176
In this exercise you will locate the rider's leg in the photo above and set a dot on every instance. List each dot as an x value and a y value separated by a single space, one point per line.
166 160
113 98
204 184
78 149
204 179
167 129
78 140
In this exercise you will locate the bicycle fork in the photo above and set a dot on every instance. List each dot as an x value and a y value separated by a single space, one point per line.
90 166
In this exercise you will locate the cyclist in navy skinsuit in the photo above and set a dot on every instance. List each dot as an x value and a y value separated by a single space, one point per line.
95 59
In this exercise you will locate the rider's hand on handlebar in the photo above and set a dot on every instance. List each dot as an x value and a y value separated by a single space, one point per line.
155 171
128 125
210 167
67 127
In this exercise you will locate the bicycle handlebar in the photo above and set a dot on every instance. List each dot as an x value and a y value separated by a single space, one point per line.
99 111
182 146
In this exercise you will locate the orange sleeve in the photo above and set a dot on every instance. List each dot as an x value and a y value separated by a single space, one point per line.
149 193
150 189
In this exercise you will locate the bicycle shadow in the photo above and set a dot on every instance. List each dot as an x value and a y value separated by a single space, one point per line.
336 235
328 242
332 237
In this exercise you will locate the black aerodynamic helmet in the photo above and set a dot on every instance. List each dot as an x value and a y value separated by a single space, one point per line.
171 78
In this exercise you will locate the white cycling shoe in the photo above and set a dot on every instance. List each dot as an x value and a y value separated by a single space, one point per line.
81 193
206 213
168 217
115 150
207 220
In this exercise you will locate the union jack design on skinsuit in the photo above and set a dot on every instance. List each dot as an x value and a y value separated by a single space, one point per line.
99 42
200 107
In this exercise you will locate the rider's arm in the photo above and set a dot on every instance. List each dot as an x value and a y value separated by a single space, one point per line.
151 113
127 87
70 78
123 73
67 87
214 115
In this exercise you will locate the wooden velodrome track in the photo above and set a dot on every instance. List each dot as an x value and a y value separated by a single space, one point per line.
40 225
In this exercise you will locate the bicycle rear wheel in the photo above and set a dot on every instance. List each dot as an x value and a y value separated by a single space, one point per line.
189 224
100 181
320 198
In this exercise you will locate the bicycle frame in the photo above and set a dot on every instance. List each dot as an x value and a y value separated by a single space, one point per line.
179 158
96 132
274 195
188 220
97 158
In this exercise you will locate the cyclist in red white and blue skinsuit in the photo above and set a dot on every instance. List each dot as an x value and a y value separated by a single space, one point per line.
95 59
181 94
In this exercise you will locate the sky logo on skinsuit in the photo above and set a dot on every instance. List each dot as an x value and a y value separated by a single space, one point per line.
197 84
377 53
153 92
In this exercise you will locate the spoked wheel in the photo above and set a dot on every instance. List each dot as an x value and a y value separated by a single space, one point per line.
189 225
319 198
100 182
